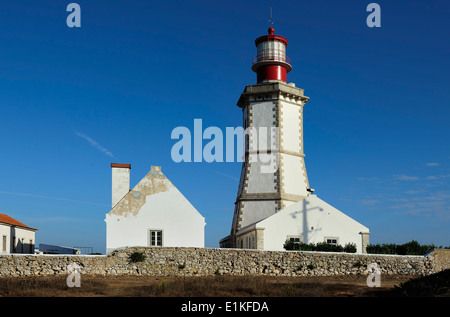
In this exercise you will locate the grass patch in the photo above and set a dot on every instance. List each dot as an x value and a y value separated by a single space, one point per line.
222 286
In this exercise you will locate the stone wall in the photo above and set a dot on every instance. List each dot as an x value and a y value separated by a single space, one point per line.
440 259
210 261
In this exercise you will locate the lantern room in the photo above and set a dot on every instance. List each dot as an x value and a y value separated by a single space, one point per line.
271 62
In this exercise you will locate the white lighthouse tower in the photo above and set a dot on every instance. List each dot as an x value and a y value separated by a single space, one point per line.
275 108
271 103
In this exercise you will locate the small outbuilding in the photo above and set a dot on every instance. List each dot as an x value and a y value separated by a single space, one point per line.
16 236
154 213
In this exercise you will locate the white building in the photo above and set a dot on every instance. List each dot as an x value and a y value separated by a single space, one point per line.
153 213
16 236
276 204
310 220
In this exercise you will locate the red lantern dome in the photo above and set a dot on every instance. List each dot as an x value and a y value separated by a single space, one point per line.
271 62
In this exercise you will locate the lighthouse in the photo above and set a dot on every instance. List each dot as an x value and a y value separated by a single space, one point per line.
271 103
275 205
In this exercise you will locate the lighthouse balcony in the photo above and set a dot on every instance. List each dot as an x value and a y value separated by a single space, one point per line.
272 57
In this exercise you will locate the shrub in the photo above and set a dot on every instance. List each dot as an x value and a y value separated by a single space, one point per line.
410 248
290 289
305 246
161 287
350 248
415 248
327 247
137 257
320 246
297 246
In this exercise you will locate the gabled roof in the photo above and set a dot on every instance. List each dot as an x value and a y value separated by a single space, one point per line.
153 183
4 218
317 207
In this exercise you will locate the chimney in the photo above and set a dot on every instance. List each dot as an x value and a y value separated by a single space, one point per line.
120 181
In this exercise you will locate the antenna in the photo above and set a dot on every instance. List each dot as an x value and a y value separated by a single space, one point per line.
270 18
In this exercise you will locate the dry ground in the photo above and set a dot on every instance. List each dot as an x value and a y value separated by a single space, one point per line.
211 286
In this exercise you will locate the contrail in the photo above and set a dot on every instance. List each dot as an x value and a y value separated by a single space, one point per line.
226 175
94 143
51 197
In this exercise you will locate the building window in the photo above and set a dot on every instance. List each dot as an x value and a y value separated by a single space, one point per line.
156 238
4 244
332 240
295 239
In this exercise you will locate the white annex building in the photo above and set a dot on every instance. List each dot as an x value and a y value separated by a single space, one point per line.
153 213
16 236
272 207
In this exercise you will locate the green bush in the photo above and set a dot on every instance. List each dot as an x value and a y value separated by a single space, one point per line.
297 246
350 248
137 257
410 248
327 247
320 246
387 248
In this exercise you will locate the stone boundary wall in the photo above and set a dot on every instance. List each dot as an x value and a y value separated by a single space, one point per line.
211 261
441 259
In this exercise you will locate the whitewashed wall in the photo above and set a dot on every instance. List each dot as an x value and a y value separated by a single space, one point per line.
5 230
290 115
293 177
25 240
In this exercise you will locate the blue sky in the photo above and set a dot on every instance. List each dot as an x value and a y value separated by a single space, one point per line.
74 100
